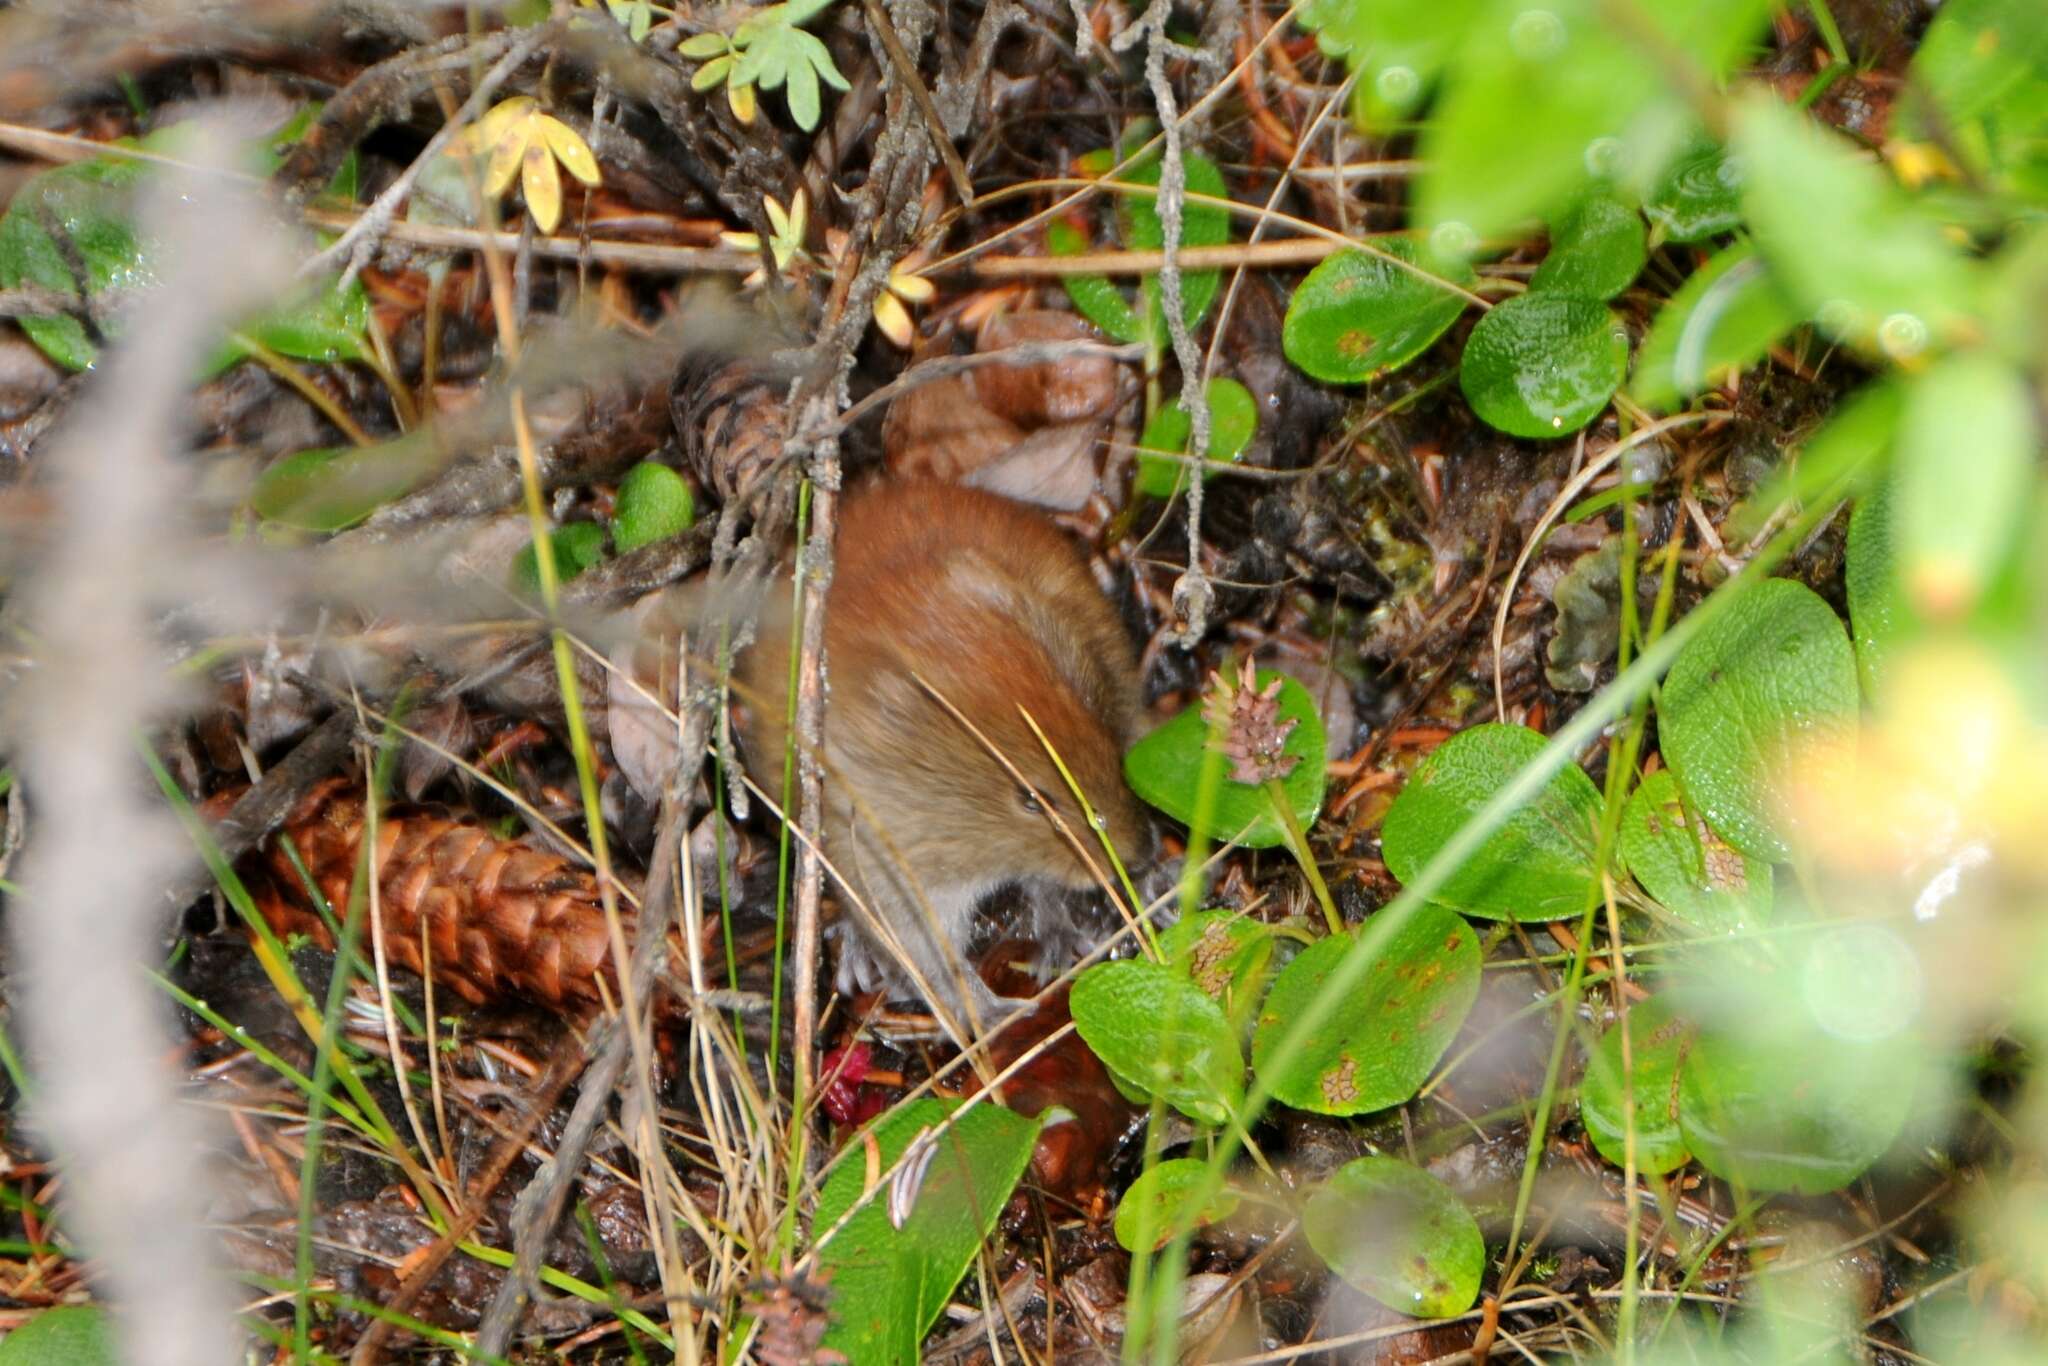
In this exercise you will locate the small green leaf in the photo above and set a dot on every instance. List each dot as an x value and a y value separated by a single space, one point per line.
1358 315
66 1335
1537 866
1398 1234
1158 1032
1096 296
1378 1047
334 487
1698 196
1722 319
1596 248
1542 365
1165 770
803 95
1201 225
323 324
1658 1042
578 546
654 503
1774 666
1167 1197
1846 242
889 1284
702 46
1683 864
1965 475
1233 421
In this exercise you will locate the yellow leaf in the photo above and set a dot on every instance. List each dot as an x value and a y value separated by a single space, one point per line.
506 154
570 149
543 186
894 319
502 116
912 289
741 99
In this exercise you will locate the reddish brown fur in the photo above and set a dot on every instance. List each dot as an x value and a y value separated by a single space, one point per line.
990 605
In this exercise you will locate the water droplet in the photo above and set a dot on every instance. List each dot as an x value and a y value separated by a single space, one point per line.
1536 35
1606 158
1902 336
1398 85
1452 240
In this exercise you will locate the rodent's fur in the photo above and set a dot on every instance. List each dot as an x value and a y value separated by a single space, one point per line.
948 590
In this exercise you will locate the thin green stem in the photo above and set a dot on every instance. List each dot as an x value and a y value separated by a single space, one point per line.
1297 845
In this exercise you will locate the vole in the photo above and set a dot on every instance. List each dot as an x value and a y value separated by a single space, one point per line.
948 599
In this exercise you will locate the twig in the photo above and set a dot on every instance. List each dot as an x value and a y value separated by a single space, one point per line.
906 74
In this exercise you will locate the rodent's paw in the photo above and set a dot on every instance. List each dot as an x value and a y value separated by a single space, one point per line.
861 969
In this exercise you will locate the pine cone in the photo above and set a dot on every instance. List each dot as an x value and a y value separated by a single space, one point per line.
731 420
503 918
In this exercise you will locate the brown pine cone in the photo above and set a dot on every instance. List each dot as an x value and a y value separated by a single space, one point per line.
731 419
502 918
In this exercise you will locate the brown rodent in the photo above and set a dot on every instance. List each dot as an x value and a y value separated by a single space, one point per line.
940 589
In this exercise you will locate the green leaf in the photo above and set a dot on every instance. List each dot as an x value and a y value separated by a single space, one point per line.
1596 248
1201 225
334 487
1658 1043
1542 365
1158 1032
322 324
1773 666
1165 770
1978 86
1546 99
1788 1109
1358 315
1845 241
66 1335
1398 1234
1879 614
888 1285
1377 1048
702 46
1226 954
1682 863
1233 421
803 95
1698 196
1537 866
1166 1197
578 546
654 503
1965 475
1096 296
1722 319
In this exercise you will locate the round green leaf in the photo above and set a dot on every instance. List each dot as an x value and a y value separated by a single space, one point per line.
1543 364
1721 319
1698 196
1358 315
1167 1198
578 546
1376 1049
1233 421
1537 866
1775 664
1790 1109
1096 297
891 1277
1162 1034
654 503
68 1335
1683 864
1658 1042
1201 225
1596 248
1398 1234
1165 769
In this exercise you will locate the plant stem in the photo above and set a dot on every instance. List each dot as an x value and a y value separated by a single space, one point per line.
1297 845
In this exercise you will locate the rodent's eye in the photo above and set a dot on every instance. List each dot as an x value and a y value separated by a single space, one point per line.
1029 802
